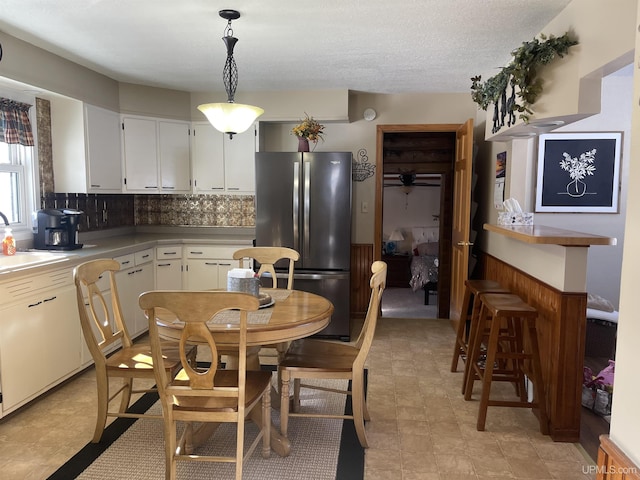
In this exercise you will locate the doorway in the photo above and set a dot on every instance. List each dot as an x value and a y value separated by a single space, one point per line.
415 157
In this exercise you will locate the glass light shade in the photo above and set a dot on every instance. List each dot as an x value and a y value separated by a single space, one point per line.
230 117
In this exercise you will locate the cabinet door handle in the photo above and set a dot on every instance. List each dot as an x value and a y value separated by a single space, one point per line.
155 186
193 252
131 273
35 304
233 188
163 265
170 253
93 185
210 263
225 264
49 299
126 262
168 188
145 256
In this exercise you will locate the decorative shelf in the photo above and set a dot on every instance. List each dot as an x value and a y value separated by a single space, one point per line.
543 235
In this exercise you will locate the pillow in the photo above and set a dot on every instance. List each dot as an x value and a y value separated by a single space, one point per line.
431 248
598 303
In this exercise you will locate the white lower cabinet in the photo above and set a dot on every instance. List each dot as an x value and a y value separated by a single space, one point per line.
135 277
207 266
169 267
39 336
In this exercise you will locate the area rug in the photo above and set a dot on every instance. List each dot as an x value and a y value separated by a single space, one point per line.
320 448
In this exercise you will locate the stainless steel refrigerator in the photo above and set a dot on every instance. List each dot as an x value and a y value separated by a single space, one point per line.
303 201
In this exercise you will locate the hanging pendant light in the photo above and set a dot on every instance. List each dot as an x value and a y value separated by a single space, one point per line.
230 117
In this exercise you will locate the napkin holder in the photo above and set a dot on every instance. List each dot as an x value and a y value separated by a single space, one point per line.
243 280
515 218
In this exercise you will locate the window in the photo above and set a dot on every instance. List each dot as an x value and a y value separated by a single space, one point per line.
18 191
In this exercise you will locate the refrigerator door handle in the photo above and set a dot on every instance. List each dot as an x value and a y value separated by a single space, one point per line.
296 205
307 182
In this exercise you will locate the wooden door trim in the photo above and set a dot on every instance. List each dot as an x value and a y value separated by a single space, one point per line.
445 223
380 131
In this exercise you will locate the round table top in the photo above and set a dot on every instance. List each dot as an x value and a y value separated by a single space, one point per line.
300 314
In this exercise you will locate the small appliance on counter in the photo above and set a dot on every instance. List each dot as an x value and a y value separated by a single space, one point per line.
56 229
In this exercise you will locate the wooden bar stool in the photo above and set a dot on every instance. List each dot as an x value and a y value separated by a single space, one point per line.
472 292
512 338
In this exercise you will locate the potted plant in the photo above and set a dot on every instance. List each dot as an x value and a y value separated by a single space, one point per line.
522 72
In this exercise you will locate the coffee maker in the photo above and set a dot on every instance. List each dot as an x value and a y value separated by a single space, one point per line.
56 229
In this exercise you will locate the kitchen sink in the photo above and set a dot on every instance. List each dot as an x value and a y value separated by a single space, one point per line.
30 259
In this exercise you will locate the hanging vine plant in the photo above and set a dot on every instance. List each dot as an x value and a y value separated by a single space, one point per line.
522 72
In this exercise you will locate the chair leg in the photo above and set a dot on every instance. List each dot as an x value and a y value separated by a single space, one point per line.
103 404
127 388
473 352
239 448
460 332
170 445
488 374
357 394
266 423
284 402
296 394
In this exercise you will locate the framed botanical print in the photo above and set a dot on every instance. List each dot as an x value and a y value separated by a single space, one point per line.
578 172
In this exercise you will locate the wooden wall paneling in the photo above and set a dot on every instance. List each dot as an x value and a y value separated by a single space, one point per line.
613 464
561 335
361 260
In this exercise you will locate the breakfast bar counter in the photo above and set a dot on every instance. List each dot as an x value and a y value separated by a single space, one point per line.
546 267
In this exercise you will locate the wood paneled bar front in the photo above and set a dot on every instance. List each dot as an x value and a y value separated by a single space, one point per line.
546 267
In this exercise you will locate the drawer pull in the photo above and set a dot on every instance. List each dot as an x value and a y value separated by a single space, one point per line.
35 304
50 299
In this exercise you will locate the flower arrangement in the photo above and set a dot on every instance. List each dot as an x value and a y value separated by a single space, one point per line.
309 128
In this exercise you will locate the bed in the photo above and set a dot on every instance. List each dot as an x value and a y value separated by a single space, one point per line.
424 262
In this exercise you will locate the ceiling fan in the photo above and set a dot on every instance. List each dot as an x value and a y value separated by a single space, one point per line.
411 179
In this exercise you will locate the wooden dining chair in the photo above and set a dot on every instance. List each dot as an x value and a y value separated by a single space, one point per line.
207 394
325 359
104 331
267 257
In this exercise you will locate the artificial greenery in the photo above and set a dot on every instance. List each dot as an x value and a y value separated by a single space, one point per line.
522 72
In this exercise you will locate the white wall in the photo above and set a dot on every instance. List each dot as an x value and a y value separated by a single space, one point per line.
625 420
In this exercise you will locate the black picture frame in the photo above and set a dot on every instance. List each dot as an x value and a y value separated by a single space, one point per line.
578 172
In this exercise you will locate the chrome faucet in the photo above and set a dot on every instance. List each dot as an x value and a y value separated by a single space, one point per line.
4 217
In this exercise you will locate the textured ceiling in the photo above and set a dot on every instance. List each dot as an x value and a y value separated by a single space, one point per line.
376 46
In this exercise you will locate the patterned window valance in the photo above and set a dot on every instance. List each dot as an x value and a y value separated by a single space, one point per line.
15 126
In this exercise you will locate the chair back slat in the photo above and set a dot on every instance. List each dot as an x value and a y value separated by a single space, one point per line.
267 257
101 319
195 309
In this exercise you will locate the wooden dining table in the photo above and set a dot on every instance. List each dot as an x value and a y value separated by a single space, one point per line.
291 315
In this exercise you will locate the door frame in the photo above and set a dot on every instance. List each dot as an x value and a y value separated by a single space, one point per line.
446 205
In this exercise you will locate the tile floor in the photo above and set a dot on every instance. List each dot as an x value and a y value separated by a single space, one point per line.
421 426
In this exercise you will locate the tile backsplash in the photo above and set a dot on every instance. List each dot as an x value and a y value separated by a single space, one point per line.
119 210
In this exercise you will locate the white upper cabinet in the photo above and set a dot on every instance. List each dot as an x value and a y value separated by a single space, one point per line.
208 159
102 136
156 155
239 162
220 164
85 148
